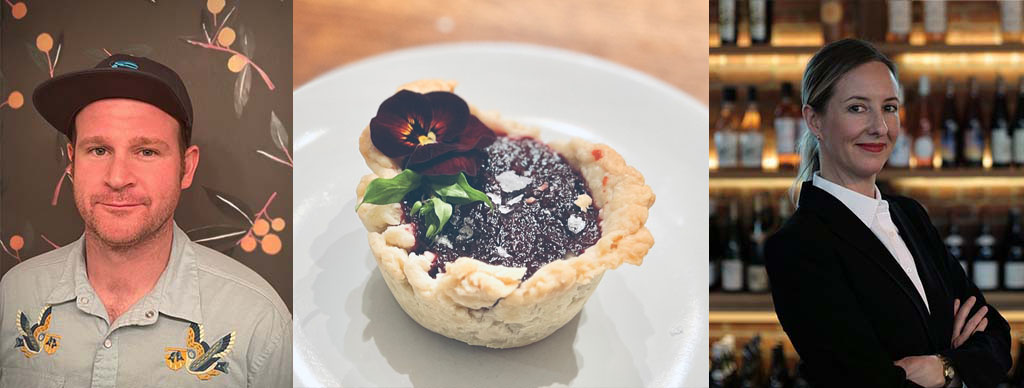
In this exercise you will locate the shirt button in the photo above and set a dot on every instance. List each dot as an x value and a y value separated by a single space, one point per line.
107 344
149 314
83 300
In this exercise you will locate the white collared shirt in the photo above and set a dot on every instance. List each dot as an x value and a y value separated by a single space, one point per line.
874 213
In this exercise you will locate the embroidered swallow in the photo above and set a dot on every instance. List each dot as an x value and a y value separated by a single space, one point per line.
33 335
203 359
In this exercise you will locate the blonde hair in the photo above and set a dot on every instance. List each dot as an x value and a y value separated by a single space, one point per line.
823 71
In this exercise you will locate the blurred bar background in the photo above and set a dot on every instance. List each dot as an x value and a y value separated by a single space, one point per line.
970 180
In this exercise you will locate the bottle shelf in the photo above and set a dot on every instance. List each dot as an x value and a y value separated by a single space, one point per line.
758 308
960 177
886 48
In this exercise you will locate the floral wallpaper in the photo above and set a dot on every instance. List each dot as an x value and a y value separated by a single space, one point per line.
231 56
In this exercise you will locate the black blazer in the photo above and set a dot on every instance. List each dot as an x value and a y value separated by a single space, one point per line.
851 311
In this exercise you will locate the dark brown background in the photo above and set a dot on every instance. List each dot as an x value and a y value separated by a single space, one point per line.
229 163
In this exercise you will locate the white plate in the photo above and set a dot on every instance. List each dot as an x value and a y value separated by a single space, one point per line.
644 326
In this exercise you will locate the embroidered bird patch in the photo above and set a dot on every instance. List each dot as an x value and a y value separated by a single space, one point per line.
203 360
33 335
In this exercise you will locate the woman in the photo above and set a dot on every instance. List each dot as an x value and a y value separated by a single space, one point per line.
861 281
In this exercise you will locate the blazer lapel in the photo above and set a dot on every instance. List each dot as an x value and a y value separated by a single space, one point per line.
934 287
847 227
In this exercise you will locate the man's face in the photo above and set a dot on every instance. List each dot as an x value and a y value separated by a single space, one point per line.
128 170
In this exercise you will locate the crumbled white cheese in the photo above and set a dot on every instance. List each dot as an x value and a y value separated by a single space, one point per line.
443 240
504 209
510 182
465 232
502 252
583 201
495 198
576 224
515 200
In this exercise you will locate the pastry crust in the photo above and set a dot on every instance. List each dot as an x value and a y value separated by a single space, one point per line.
488 305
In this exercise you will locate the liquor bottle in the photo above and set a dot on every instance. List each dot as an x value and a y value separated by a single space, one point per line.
727 22
787 114
784 211
952 139
986 269
779 374
1010 10
761 22
900 157
955 244
1013 270
757 275
1002 144
974 132
751 135
832 19
752 368
924 148
723 363
899 21
732 261
935 21
715 248
726 130
1018 126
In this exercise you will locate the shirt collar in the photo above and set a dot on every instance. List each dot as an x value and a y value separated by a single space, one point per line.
176 292
862 206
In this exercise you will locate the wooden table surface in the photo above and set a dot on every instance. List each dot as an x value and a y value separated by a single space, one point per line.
664 38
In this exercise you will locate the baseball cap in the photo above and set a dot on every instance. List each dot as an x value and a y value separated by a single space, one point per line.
59 99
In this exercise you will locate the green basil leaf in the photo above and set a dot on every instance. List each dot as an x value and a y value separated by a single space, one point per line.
442 212
451 191
383 191
473 193
415 208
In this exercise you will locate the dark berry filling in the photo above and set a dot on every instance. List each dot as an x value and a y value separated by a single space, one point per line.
535 220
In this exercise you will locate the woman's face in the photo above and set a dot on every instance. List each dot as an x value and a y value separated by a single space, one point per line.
860 123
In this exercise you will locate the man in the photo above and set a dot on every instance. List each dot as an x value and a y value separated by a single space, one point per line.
134 302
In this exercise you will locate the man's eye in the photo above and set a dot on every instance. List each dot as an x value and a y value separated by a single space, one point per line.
98 151
148 152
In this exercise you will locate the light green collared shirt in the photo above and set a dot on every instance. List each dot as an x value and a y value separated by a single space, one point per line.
208 322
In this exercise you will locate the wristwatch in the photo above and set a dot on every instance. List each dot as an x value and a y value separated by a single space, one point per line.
947 369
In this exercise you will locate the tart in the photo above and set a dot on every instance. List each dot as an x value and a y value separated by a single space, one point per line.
504 270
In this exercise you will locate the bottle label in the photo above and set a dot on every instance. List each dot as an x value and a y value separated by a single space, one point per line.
732 274
726 20
899 17
1011 12
758 20
757 278
986 275
751 144
923 149
1018 145
1002 150
900 156
785 133
727 145
1014 275
935 16
975 142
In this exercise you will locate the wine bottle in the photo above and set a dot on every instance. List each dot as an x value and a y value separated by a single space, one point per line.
715 248
1013 270
900 157
752 369
751 134
1002 144
832 19
723 363
787 116
1010 12
935 21
1018 126
974 132
760 22
955 244
779 373
757 275
727 22
899 21
726 130
732 261
924 149
986 269
952 139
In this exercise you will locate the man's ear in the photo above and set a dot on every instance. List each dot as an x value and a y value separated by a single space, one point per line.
191 162
71 158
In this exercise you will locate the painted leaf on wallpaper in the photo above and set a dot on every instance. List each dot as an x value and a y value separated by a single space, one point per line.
244 81
61 143
138 50
58 46
217 237
38 57
278 133
229 204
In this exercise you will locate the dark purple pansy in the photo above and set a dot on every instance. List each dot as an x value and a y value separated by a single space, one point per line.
434 132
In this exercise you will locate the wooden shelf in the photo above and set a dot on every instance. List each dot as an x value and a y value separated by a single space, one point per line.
889 49
750 308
